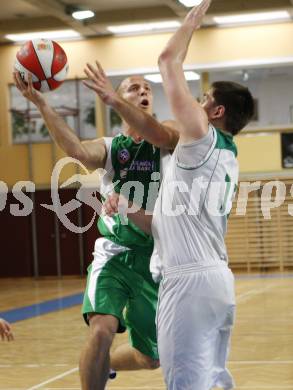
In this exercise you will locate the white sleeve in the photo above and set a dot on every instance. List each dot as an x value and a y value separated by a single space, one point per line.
106 180
108 143
195 153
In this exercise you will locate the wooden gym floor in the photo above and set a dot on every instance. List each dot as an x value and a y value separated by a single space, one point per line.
46 350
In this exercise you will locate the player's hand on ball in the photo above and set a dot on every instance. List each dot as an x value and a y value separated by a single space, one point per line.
27 90
115 203
5 331
99 82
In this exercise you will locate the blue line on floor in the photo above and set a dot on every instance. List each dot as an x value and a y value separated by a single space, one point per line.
26 312
38 309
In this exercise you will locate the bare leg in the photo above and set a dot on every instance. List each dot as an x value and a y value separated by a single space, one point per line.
126 357
94 363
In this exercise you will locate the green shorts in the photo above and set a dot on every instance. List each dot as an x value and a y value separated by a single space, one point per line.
122 286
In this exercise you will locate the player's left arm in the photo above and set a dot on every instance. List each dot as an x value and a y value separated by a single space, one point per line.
192 119
117 203
164 135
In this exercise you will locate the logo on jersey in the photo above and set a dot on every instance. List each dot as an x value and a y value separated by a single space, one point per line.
123 173
123 156
142 166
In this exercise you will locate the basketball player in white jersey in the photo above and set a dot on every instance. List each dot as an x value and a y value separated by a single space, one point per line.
196 300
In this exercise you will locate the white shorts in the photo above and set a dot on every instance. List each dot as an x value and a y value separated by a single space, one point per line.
194 320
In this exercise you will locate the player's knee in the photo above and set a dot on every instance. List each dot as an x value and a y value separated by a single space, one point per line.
154 364
102 336
101 333
148 363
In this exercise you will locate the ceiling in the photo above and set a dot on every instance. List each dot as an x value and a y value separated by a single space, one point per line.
18 16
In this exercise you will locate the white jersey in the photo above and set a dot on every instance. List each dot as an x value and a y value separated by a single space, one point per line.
195 198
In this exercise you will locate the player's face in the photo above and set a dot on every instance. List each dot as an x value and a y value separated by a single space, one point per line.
208 103
137 91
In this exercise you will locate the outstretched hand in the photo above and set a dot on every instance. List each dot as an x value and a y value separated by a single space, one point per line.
99 82
27 89
196 15
5 331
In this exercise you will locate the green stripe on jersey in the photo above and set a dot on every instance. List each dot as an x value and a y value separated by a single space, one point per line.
225 141
128 235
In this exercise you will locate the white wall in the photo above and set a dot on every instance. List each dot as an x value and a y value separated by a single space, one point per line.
161 107
273 88
275 98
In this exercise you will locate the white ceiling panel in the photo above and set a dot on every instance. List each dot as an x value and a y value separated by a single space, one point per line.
38 15
13 9
112 5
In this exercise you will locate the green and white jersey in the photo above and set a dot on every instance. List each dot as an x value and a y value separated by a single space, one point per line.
129 163
195 198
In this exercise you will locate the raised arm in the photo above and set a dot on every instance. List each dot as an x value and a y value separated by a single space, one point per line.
91 153
187 111
163 135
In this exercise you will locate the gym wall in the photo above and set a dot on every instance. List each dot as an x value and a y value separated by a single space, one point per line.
210 47
258 152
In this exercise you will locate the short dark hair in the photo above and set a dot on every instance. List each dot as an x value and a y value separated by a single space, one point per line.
238 103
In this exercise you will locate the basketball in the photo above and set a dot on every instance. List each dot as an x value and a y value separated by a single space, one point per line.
45 60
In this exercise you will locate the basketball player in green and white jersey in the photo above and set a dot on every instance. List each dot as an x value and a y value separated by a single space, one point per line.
120 291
